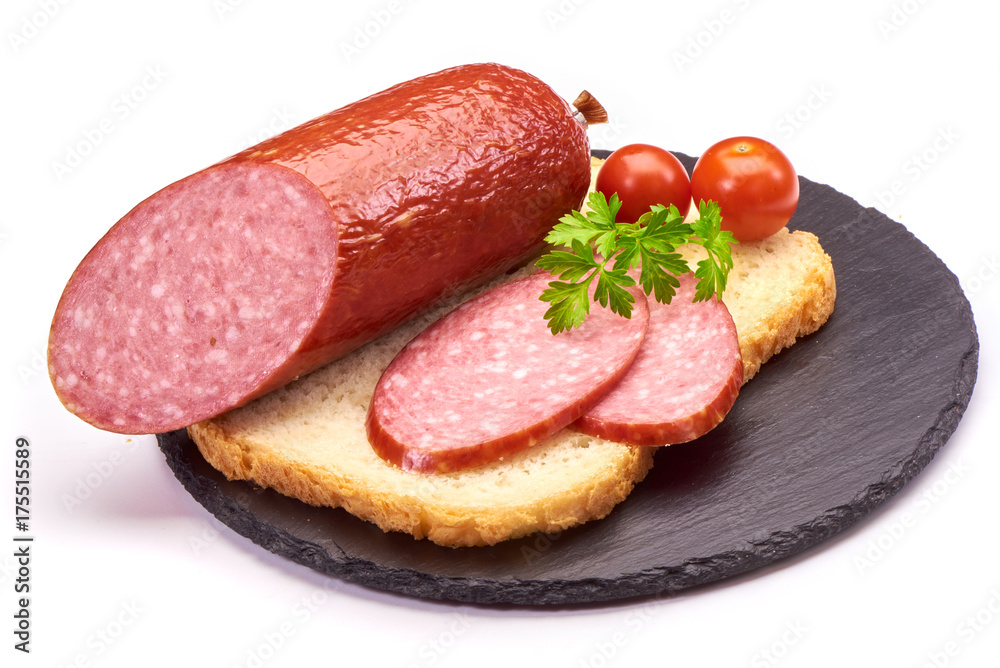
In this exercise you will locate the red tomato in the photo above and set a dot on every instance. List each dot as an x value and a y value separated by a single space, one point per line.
643 176
753 182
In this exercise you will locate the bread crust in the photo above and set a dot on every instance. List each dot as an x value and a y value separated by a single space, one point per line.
451 522
307 440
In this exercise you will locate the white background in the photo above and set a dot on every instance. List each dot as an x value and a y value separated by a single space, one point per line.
128 570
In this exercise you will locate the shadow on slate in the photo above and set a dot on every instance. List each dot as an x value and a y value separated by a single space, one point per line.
828 430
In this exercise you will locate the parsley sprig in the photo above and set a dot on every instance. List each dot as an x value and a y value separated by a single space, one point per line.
649 244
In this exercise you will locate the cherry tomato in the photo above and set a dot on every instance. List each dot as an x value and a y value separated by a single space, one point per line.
753 182
643 176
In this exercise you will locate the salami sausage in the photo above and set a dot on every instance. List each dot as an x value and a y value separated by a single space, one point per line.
684 380
238 279
490 379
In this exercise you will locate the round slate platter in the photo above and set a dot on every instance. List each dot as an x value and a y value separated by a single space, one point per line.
828 430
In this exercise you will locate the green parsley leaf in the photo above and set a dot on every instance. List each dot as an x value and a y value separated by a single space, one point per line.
665 227
573 227
570 304
570 266
648 245
628 256
659 272
602 210
600 221
611 290
713 271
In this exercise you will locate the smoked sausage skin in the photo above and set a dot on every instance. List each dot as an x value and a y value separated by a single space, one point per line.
238 279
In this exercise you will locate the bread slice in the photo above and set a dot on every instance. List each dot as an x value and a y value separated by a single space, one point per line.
307 440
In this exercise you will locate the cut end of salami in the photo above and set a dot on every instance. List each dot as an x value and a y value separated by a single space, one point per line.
490 379
239 279
684 380
193 300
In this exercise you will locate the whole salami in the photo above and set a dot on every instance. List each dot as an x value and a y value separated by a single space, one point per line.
238 279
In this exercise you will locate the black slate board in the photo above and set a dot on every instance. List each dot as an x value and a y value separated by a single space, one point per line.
827 431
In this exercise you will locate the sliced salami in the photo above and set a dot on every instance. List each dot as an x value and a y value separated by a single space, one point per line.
684 380
490 379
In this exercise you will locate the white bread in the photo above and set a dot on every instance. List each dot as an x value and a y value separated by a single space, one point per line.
307 440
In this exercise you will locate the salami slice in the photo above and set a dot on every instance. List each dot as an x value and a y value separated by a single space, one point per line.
490 379
684 380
